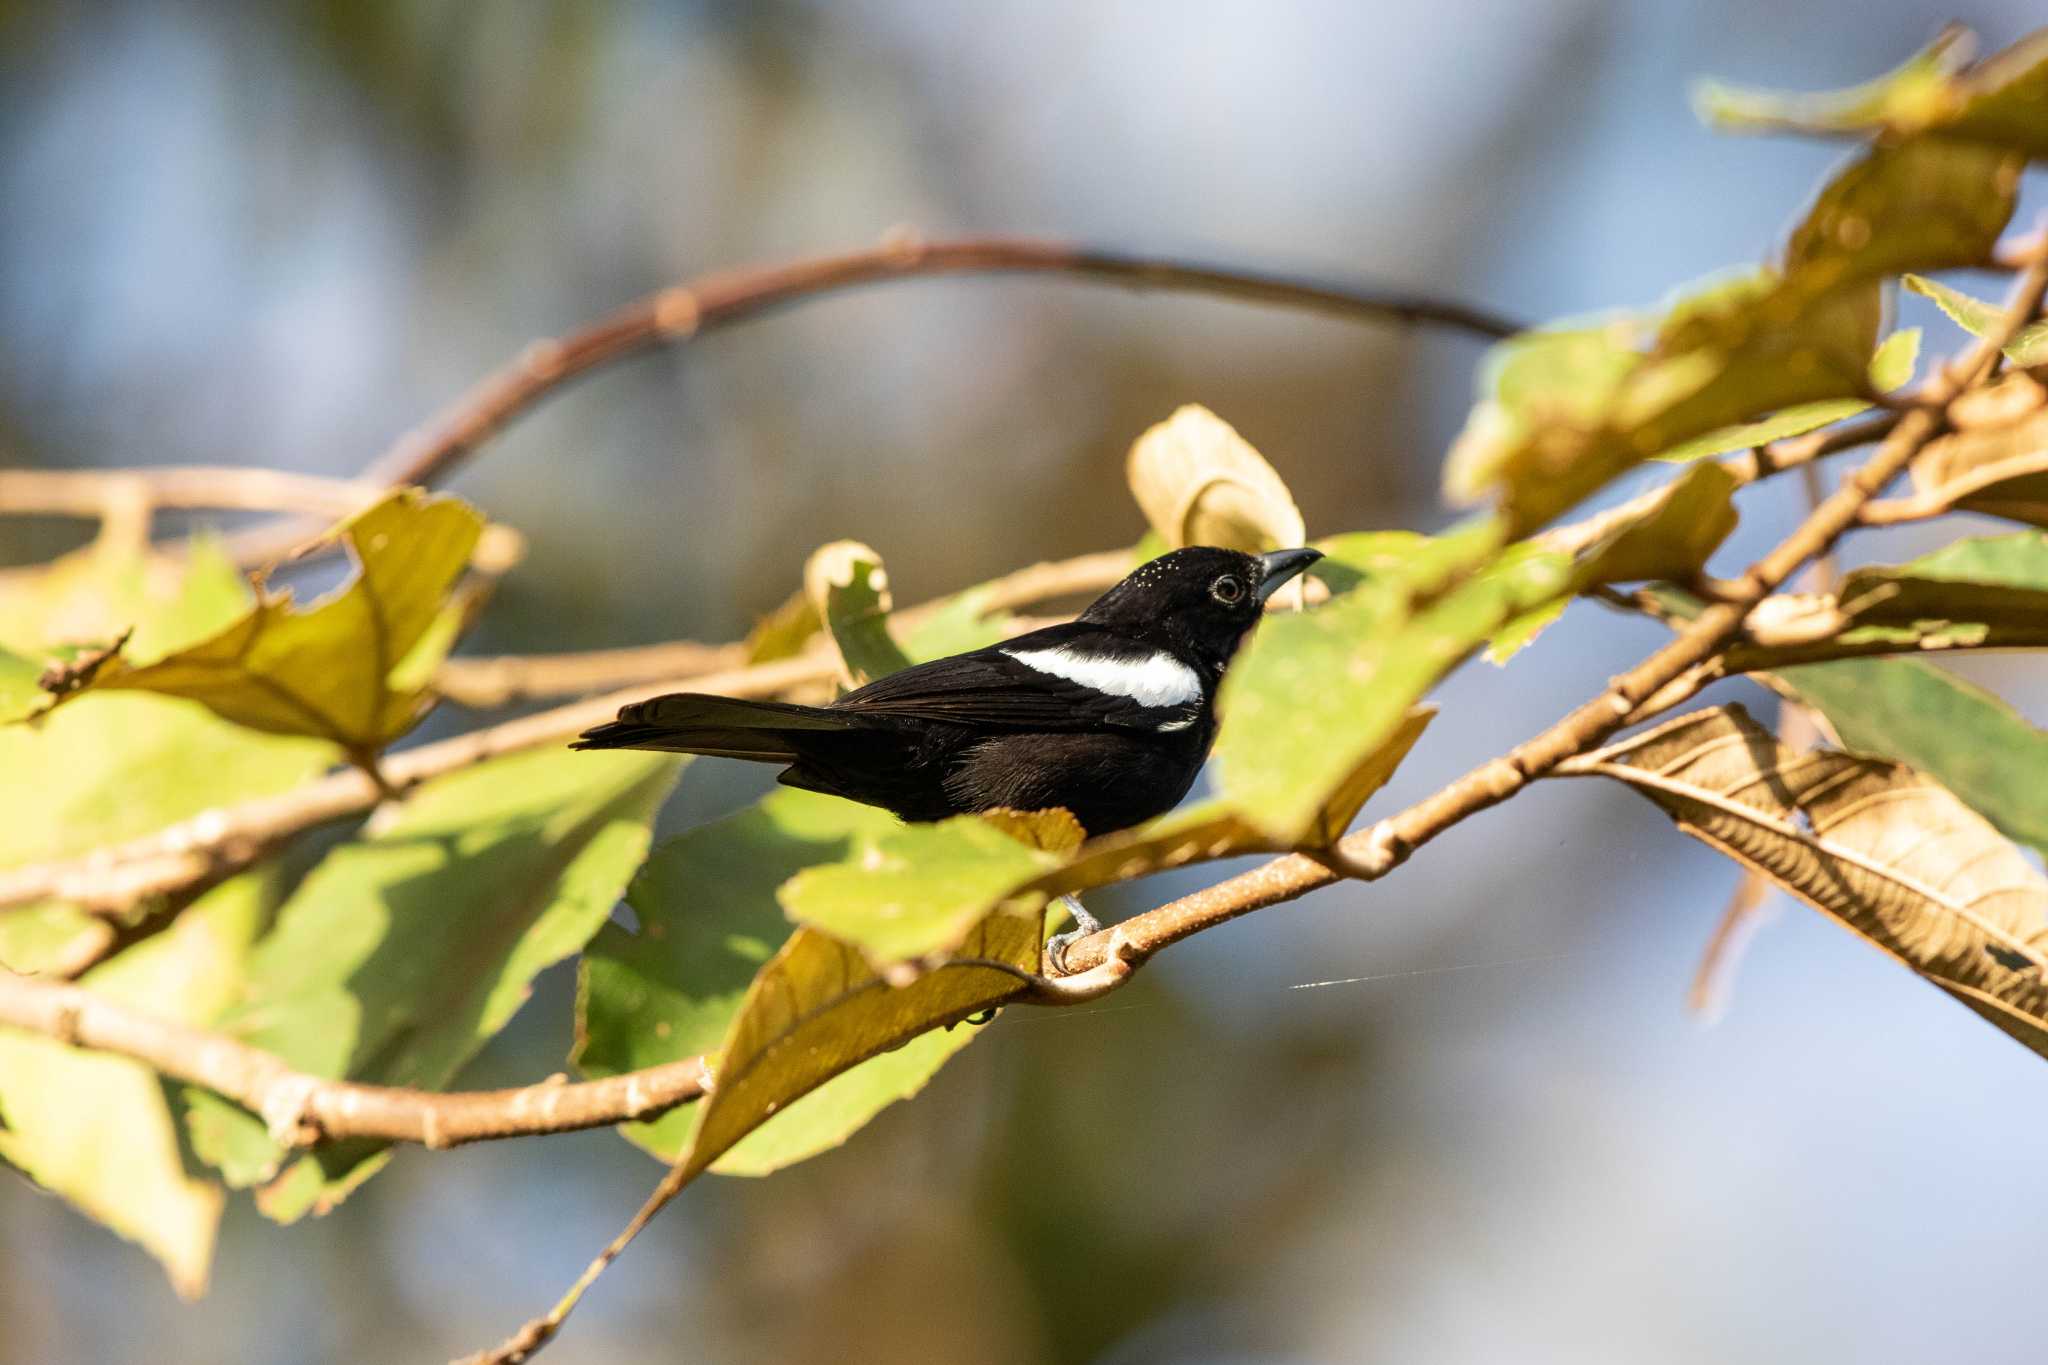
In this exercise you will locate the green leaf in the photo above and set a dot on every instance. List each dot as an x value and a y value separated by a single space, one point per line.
1915 206
326 670
1997 102
49 937
849 589
2026 350
1674 540
917 890
20 690
96 1129
111 768
708 921
959 625
1563 413
817 1011
1314 695
405 951
1981 581
784 632
1890 368
1908 98
1967 739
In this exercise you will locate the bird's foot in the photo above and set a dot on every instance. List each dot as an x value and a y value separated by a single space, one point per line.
1084 925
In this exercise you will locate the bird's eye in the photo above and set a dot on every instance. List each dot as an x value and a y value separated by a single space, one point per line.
1229 589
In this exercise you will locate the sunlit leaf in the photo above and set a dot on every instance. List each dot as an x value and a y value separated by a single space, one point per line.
1972 742
1200 483
1910 710
960 624
783 632
1905 99
404 951
96 1129
708 919
1882 848
2029 347
849 590
326 670
917 890
1996 102
817 1010
1314 695
1890 368
1914 206
1563 413
116 767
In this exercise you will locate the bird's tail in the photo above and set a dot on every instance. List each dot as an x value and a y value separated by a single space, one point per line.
725 727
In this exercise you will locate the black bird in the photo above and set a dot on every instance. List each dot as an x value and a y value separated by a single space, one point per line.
1110 715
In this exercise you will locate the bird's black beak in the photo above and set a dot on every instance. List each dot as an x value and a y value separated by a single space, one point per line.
1282 565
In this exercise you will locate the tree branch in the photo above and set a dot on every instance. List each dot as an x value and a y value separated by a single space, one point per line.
484 683
1663 680
302 1110
682 312
218 842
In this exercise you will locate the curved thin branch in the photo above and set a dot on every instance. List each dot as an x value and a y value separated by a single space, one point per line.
680 313
718 299
302 1110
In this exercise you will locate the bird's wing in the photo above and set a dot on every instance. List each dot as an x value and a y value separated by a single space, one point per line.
1061 679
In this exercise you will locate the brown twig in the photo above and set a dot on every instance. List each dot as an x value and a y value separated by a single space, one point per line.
301 1110
682 312
216 842
484 683
1665 678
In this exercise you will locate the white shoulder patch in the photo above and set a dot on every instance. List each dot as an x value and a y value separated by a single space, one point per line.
1154 680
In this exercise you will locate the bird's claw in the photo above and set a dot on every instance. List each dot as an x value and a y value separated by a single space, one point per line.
1084 925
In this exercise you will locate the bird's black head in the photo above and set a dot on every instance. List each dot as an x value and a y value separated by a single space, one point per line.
1199 601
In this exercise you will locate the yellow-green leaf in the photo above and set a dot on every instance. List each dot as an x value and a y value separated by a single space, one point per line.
849 590
96 1129
404 951
1997 102
2027 349
817 1010
917 890
1315 695
326 670
707 920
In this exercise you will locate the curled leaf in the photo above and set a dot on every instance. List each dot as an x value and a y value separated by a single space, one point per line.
333 669
1880 847
1200 483
849 590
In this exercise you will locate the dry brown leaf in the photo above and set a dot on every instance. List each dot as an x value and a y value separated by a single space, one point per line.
1999 470
1200 483
1879 846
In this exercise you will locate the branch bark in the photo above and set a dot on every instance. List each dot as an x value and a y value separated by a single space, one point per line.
682 312
301 1110
1663 680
